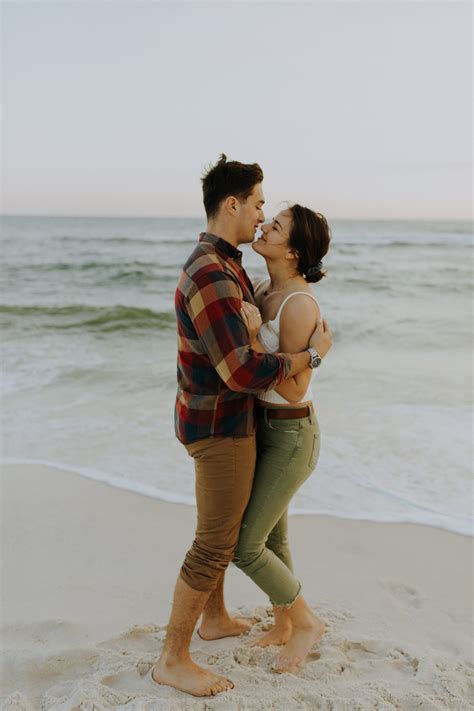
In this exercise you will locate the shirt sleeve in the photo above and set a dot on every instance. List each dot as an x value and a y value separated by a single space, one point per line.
214 304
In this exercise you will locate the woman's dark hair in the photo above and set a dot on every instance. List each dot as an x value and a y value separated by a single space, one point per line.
309 238
227 178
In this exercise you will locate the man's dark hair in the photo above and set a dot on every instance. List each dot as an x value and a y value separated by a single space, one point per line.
228 178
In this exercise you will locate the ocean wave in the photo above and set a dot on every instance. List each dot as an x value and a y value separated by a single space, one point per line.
421 243
144 241
80 317
99 272
349 283
84 266
107 240
135 276
451 281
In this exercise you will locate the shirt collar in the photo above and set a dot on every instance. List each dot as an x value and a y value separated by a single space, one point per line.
225 248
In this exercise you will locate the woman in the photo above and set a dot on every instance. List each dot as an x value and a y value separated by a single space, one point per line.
293 245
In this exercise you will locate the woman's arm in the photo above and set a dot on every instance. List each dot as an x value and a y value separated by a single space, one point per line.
297 323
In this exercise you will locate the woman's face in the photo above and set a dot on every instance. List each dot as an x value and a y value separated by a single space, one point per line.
273 242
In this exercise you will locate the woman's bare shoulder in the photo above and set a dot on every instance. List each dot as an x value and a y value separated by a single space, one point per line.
297 322
305 304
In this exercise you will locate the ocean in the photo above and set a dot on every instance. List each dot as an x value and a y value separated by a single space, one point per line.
89 361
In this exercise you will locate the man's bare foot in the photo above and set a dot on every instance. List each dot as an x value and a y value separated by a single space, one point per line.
278 634
225 627
299 645
189 677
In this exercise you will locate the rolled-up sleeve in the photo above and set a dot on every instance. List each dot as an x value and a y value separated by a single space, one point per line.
214 304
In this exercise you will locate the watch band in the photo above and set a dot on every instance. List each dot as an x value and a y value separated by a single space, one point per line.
316 359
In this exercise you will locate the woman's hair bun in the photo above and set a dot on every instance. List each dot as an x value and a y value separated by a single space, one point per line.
315 269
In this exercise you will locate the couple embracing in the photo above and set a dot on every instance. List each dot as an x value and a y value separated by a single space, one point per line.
246 357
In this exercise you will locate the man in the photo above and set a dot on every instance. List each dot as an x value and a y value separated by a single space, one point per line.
218 375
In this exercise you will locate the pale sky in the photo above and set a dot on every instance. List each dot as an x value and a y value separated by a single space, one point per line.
356 109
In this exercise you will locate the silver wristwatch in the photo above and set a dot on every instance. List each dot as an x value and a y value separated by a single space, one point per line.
316 359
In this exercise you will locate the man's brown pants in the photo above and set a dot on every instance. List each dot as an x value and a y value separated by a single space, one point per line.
225 469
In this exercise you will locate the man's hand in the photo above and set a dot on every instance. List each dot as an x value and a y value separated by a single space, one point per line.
321 339
252 319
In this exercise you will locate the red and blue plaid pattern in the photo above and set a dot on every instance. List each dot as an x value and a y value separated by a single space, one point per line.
218 374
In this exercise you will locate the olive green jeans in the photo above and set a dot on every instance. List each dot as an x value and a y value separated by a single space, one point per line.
287 453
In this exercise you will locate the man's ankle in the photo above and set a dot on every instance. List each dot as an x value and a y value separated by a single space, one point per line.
170 659
215 616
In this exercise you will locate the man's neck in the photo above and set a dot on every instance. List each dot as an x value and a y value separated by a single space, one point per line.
219 229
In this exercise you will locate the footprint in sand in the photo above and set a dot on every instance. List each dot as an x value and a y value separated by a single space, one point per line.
404 660
251 656
406 596
137 682
367 660
141 638
83 694
345 655
41 672
18 702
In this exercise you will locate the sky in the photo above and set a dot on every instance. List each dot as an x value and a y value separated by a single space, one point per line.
355 109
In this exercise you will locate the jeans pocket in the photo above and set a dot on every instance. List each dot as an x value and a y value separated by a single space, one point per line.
313 459
283 425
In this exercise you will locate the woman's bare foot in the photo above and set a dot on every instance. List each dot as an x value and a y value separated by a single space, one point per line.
299 644
189 677
280 632
276 635
225 627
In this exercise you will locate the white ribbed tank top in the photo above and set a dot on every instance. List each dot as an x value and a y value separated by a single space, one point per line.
269 337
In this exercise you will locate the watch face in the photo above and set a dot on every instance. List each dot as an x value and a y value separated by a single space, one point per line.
315 360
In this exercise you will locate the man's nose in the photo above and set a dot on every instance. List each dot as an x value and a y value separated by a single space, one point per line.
261 216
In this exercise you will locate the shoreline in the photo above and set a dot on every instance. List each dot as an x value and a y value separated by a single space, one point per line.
116 482
88 573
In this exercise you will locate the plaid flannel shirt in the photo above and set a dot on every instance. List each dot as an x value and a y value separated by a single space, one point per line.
218 373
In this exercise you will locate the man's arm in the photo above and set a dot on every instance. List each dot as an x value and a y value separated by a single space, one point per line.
213 305
298 361
321 341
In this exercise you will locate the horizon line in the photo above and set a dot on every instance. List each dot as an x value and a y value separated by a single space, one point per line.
203 217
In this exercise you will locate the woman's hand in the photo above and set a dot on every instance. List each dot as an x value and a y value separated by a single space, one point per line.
321 338
252 319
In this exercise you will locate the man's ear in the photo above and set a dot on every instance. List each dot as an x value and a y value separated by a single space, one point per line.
231 205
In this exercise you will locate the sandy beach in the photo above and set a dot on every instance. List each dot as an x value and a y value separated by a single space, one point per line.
87 578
